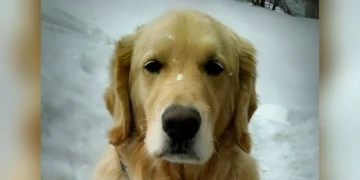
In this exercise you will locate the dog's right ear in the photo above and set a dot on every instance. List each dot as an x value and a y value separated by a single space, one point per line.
116 96
247 96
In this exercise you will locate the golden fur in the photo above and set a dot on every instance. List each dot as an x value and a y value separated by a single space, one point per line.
134 96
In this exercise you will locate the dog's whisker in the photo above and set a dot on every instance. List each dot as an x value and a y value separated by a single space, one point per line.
218 142
142 135
216 155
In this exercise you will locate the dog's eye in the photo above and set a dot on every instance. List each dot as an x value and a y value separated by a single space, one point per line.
153 66
213 68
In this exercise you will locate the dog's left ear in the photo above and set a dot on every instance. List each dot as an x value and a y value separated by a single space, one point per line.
117 94
247 101
116 97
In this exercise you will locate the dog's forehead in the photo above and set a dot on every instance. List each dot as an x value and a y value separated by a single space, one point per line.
180 28
179 34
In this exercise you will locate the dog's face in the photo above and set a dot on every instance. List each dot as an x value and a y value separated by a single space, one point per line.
184 85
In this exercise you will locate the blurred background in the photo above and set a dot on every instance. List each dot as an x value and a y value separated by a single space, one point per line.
76 42
297 8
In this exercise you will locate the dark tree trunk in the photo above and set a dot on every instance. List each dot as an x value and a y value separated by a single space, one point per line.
312 9
276 2
255 2
262 3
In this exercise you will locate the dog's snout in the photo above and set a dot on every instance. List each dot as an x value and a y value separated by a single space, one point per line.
181 123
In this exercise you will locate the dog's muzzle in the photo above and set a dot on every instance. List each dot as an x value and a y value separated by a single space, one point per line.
181 123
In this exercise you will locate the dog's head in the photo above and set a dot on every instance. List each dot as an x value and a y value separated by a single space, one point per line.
185 82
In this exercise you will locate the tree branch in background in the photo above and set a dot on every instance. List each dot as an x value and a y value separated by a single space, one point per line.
311 7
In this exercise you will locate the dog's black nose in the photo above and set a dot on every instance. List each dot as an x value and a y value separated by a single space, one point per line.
181 123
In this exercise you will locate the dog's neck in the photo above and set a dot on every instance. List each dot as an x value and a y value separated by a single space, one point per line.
140 166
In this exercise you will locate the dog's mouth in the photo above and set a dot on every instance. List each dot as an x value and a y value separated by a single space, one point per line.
180 152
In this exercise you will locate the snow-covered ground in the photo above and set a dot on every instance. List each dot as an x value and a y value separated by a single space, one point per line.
77 42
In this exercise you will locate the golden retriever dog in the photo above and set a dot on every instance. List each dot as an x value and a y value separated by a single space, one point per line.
182 93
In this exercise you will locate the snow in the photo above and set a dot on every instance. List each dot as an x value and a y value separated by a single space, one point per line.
179 77
77 42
